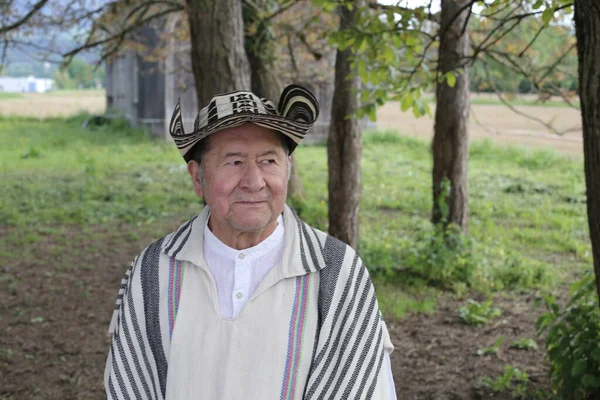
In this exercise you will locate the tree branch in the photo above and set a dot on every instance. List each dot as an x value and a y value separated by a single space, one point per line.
549 126
283 8
532 40
119 36
36 7
401 10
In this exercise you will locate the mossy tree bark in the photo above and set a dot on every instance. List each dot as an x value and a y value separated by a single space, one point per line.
587 27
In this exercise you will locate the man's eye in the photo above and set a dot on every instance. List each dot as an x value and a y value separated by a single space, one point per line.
268 161
235 162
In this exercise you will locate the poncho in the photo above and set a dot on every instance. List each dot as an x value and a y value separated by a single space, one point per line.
311 330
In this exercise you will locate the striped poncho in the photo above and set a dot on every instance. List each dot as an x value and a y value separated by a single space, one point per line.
311 330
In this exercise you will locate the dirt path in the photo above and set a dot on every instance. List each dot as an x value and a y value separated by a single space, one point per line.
499 124
55 313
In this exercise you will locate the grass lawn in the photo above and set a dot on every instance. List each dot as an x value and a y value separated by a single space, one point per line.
527 221
9 95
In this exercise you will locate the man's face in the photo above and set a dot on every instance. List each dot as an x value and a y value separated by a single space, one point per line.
245 179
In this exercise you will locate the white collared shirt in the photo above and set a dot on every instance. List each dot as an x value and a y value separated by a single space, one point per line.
237 274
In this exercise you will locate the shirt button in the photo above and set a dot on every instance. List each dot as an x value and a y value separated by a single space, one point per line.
239 295
241 256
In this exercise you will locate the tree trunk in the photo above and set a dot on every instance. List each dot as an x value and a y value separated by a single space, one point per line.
261 49
219 59
344 145
294 187
450 145
587 26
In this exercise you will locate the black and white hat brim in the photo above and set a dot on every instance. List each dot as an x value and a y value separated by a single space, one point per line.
297 112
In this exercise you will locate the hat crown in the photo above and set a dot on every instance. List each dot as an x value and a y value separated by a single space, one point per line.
297 112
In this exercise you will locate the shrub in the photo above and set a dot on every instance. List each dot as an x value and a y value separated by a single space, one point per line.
513 378
573 342
524 344
475 313
458 262
494 349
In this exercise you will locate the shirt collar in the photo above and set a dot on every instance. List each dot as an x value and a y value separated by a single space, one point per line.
303 252
272 242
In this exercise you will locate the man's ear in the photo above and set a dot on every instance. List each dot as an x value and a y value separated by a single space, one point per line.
194 170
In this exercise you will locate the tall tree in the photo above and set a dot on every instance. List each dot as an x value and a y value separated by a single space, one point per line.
219 58
262 49
587 26
450 144
344 144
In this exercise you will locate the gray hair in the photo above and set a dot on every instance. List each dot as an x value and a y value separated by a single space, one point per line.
202 147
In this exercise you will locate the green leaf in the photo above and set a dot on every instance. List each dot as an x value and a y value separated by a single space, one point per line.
418 109
547 15
590 381
370 111
538 4
427 109
411 40
451 79
407 101
578 368
389 55
362 71
361 43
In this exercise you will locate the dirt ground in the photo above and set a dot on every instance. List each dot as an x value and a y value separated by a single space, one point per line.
55 313
436 357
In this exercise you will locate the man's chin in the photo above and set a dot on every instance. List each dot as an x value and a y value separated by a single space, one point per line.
248 224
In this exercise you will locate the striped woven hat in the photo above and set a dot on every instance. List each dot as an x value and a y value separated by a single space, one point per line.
297 112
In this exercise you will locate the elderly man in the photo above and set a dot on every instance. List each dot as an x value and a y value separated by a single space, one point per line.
246 301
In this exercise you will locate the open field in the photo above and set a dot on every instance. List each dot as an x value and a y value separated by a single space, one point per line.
78 204
53 104
499 124
489 118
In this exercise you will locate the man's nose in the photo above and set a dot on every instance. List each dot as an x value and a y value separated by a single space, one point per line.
252 179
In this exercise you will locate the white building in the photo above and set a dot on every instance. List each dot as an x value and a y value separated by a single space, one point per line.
29 84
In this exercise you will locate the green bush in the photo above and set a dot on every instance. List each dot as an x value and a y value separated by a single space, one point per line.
573 342
438 262
453 261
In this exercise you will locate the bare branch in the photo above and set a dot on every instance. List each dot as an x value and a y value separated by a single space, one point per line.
120 36
466 24
532 40
36 7
291 52
3 58
549 126
401 10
